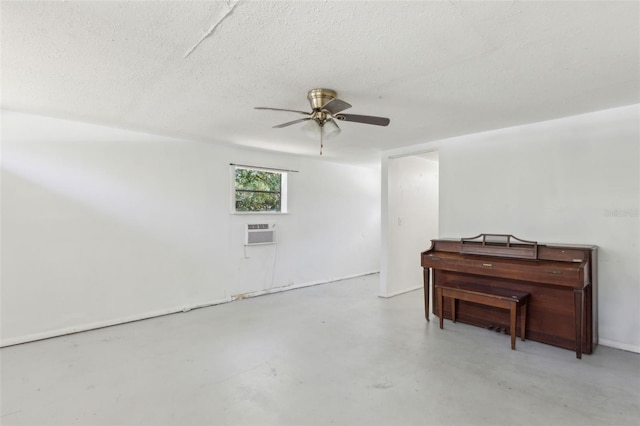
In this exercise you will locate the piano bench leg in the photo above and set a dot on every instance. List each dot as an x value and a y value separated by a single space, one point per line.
453 309
523 321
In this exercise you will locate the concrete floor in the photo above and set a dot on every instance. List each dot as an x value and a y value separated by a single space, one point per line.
330 354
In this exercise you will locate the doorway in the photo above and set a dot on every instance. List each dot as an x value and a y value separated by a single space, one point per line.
411 207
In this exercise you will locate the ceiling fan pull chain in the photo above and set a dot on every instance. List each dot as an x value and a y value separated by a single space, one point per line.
321 144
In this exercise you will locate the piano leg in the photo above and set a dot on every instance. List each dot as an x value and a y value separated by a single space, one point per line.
578 300
523 321
440 298
426 277
514 315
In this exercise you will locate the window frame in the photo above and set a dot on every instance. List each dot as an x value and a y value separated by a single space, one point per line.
283 190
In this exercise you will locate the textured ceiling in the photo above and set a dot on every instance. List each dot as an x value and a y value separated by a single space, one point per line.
436 69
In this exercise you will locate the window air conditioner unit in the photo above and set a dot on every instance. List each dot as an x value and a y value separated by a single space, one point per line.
260 233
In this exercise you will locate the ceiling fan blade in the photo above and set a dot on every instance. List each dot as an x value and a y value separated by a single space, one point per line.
335 105
281 109
366 119
291 122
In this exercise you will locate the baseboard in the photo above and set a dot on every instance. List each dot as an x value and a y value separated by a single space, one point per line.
397 293
618 345
154 314
302 285
102 324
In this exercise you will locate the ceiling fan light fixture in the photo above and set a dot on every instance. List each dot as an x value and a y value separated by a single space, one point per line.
312 129
331 129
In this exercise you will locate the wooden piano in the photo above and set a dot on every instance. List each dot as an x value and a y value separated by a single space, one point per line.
561 281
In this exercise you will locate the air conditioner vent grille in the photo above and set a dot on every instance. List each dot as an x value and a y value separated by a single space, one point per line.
260 233
258 226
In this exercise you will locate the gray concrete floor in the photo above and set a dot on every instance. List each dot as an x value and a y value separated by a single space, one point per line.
329 354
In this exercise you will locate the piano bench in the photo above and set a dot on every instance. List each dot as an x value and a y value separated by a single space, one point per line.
485 295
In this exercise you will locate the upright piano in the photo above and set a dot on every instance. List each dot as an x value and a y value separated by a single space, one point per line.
561 281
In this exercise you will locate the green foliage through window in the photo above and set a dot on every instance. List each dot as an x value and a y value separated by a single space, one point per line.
258 190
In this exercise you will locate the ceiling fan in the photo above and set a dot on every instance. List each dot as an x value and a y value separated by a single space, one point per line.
326 110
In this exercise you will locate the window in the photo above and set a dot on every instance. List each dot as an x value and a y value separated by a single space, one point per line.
259 190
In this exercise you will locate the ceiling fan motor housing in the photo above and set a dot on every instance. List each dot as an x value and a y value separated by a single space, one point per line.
319 97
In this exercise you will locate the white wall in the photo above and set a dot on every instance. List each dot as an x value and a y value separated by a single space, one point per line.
102 225
572 180
411 220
